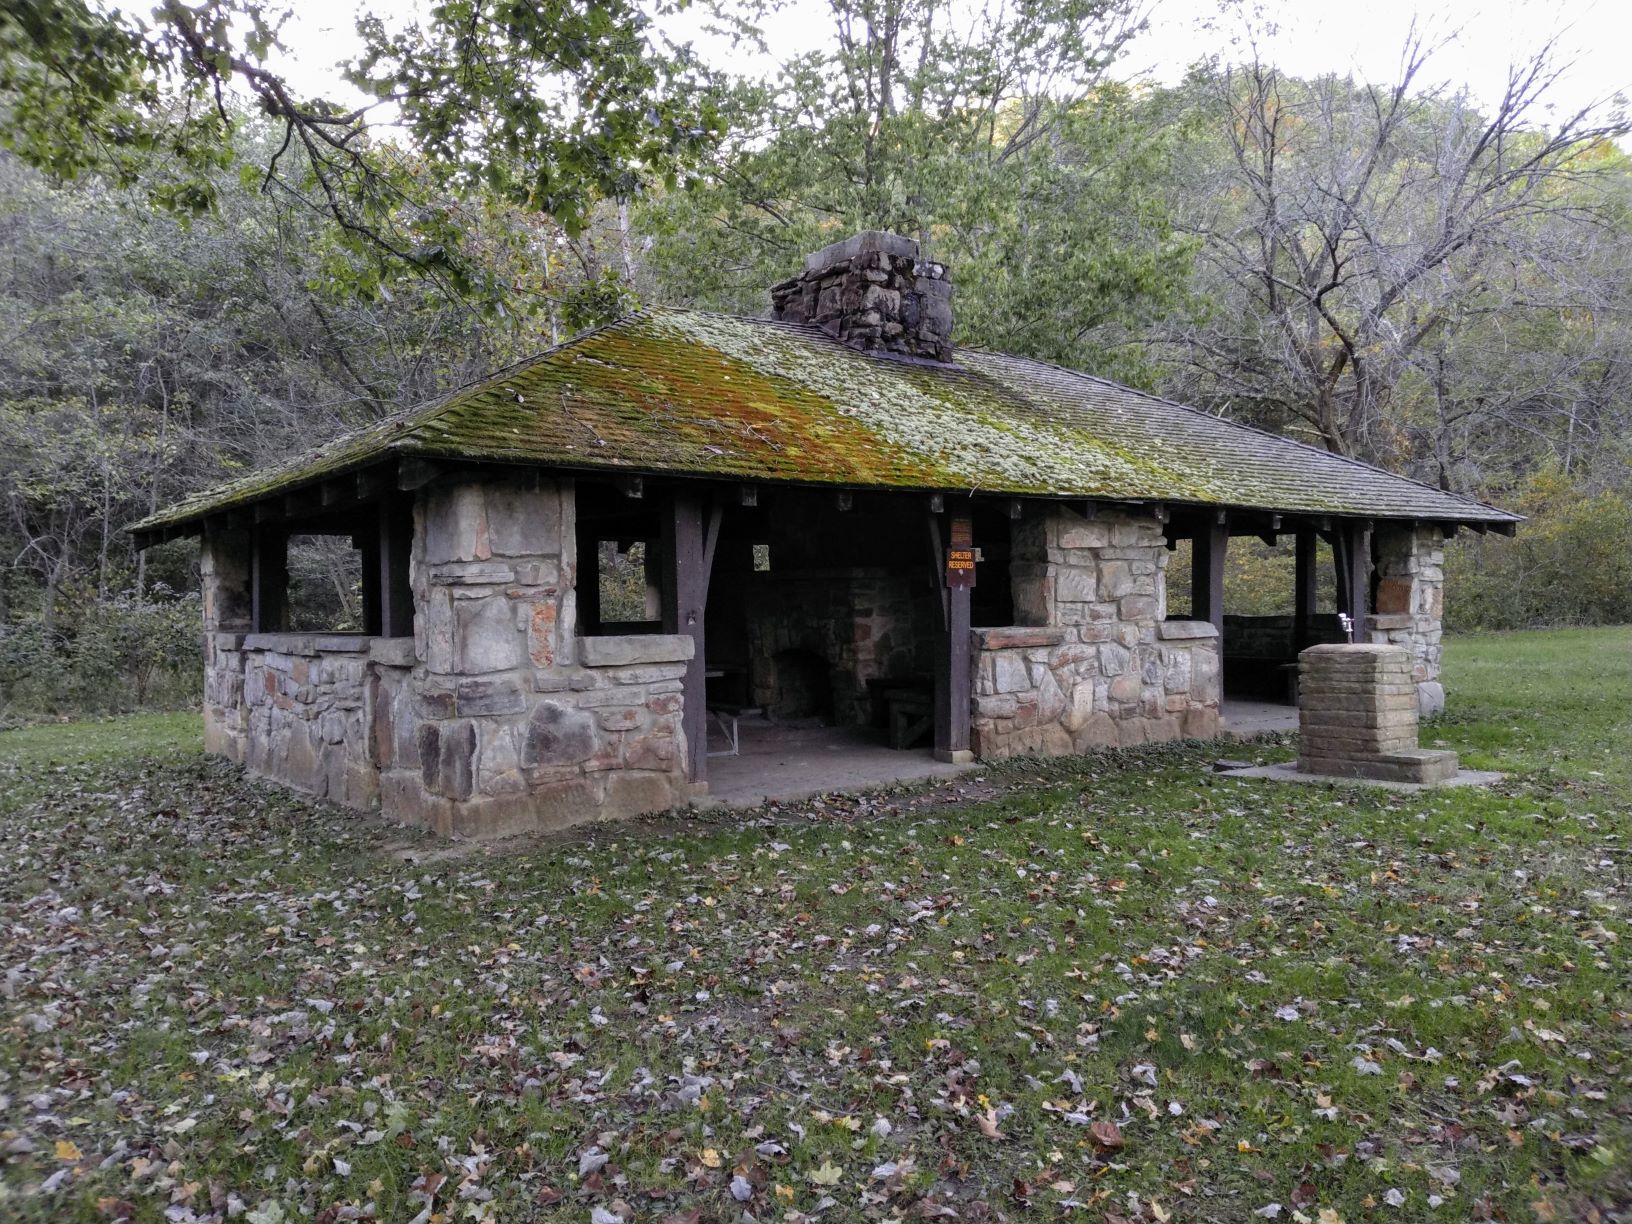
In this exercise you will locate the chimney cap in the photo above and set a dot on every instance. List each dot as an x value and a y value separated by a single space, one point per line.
860 244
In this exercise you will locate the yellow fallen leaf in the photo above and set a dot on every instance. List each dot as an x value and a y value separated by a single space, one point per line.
1187 1040
827 1175
66 1151
711 1157
785 1193
988 1124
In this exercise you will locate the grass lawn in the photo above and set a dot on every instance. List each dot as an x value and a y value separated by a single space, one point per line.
1113 988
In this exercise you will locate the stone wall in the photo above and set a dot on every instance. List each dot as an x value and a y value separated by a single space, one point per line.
507 720
872 292
1410 604
493 718
1094 664
305 718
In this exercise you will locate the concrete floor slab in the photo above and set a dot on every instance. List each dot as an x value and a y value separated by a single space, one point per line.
782 762
1242 719
1289 773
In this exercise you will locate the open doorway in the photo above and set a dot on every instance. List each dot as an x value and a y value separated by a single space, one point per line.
821 631
1261 631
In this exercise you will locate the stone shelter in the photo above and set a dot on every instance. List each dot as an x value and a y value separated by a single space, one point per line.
577 570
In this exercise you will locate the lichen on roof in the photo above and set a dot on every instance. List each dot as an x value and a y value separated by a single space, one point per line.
685 392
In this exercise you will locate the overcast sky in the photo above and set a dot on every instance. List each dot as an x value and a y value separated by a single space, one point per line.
1481 37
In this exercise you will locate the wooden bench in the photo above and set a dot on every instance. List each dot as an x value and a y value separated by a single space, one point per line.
911 715
726 718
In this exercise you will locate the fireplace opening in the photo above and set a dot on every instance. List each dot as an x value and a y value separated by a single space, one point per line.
801 688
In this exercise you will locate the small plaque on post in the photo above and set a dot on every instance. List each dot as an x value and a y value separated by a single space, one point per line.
960 567
960 558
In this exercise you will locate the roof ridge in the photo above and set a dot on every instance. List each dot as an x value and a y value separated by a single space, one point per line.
1254 429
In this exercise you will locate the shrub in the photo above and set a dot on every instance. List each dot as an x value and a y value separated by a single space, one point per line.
1570 564
122 654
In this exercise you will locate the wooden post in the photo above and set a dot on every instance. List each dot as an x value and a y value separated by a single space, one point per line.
396 542
952 659
1354 575
1207 575
589 581
685 594
269 580
368 543
1305 588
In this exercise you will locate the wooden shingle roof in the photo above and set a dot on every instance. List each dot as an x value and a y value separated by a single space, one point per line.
690 393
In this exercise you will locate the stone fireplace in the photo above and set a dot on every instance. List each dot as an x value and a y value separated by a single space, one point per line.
817 637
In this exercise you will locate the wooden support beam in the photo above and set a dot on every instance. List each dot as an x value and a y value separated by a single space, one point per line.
337 492
415 473
953 681
1505 529
685 597
269 580
368 544
269 511
374 482
395 535
1353 556
589 581
1207 574
300 503
1305 588
937 562
711 538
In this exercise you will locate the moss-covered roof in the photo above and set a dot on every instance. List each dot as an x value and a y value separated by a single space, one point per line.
690 393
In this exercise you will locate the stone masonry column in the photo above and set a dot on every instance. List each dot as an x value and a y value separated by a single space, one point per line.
223 565
1411 604
1357 716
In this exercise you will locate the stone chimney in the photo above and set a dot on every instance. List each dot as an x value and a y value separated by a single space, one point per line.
872 292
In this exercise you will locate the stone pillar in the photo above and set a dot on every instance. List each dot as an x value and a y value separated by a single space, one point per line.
1093 661
1357 716
223 564
1411 604
224 572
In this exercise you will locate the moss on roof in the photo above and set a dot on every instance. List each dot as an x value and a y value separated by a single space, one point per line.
687 392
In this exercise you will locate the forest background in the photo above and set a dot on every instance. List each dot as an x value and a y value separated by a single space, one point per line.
203 270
